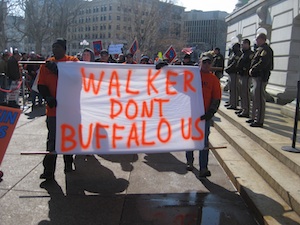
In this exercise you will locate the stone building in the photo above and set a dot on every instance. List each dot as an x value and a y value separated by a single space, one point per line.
281 20
120 22
205 30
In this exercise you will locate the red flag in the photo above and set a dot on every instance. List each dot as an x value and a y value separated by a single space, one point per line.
170 54
187 50
134 47
97 47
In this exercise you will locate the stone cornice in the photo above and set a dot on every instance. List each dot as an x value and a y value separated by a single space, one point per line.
248 10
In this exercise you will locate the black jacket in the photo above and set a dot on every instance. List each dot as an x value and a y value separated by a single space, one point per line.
262 62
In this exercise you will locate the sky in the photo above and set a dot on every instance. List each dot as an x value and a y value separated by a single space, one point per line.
208 5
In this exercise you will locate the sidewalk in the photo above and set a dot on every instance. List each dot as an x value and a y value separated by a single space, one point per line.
136 189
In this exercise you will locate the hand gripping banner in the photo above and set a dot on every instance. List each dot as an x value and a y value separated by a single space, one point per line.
125 109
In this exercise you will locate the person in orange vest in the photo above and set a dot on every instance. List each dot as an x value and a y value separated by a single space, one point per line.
47 85
211 91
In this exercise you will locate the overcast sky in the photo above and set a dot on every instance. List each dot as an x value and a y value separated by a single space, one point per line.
208 5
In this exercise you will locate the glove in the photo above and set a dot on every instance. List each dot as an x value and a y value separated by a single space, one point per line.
50 65
161 65
51 101
207 116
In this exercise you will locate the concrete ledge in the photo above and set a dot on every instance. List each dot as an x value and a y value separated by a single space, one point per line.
265 137
277 175
289 109
268 207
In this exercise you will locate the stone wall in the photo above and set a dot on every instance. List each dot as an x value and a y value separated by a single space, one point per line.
281 19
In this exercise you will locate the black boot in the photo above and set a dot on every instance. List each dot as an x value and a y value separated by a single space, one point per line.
68 159
49 164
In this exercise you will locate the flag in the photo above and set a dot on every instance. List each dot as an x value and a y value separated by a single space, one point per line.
187 50
170 54
97 45
134 47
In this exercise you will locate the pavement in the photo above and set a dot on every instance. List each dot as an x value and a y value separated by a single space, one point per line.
139 189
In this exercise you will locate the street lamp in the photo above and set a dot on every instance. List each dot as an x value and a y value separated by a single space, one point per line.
84 43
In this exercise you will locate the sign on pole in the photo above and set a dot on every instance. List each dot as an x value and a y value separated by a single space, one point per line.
97 45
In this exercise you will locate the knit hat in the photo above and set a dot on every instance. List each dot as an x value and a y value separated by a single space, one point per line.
62 42
91 53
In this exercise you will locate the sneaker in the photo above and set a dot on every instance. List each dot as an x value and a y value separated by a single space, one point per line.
189 166
47 176
204 173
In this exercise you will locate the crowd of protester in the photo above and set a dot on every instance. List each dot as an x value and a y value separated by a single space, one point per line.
243 67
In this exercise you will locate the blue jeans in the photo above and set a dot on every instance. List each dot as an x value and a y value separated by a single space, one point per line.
203 154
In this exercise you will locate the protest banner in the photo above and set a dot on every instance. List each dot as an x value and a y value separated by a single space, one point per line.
125 109
114 49
8 120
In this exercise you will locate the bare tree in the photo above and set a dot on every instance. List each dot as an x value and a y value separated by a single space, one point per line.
3 14
45 20
8 20
154 25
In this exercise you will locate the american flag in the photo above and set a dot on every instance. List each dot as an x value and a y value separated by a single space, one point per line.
97 47
187 50
134 47
170 54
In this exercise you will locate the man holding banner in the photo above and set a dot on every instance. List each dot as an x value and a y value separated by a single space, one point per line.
211 91
47 85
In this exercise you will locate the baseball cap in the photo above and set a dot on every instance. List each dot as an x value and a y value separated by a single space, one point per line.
206 56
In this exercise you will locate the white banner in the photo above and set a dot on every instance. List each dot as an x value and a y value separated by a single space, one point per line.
124 109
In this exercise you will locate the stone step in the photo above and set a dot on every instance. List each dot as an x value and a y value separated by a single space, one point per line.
277 132
281 178
267 205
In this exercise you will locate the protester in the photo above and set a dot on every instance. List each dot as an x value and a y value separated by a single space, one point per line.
32 70
260 70
129 59
187 60
144 59
3 77
243 66
13 74
231 69
211 91
121 58
88 55
47 85
104 57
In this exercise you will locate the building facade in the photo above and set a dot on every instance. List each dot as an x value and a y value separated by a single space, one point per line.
281 20
206 30
120 22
